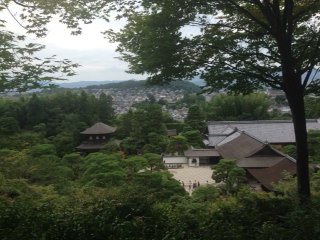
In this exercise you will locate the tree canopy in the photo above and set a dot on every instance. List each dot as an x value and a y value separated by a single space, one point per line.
223 107
21 68
249 41
235 45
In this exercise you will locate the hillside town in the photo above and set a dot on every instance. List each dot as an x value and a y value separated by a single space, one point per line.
124 99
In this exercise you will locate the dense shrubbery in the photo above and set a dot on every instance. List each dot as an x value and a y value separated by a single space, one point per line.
136 212
110 196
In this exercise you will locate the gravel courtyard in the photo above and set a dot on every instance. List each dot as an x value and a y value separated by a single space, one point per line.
200 174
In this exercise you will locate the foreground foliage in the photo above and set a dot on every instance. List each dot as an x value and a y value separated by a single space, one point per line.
113 196
140 216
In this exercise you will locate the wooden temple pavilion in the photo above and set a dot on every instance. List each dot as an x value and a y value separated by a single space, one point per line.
94 137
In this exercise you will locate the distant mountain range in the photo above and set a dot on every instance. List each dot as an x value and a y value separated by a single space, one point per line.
196 80
83 84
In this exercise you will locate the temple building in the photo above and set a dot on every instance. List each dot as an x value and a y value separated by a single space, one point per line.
94 137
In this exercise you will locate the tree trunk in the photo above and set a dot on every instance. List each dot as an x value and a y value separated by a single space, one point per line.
295 97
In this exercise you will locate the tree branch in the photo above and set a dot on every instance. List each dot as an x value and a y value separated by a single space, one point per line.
24 5
14 17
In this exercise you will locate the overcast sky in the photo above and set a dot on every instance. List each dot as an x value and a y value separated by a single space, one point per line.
94 53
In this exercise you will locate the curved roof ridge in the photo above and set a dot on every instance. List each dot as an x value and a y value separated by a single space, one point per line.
254 137
255 121
99 128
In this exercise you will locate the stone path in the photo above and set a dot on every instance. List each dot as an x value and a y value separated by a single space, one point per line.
200 174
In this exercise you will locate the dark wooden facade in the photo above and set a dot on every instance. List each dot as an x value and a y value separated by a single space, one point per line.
94 137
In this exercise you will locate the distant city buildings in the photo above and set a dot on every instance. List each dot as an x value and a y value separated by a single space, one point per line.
124 99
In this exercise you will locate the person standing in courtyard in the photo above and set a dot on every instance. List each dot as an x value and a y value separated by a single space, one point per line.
195 184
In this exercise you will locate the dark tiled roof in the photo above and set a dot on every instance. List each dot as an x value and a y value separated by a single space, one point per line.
265 163
272 131
99 128
218 137
274 174
259 162
192 152
228 138
240 146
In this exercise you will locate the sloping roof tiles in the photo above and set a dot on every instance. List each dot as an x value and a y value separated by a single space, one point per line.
265 163
259 162
272 131
268 176
99 128
193 152
240 146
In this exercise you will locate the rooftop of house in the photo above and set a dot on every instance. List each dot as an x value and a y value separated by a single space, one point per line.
272 131
272 175
194 152
265 163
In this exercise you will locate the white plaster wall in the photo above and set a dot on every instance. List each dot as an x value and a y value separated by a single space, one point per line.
173 160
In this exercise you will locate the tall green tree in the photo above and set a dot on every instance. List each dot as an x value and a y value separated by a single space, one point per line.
236 45
73 161
158 142
238 107
102 170
228 172
125 125
129 145
16 109
154 161
177 144
139 124
154 120
194 138
195 118
134 164
110 147
35 111
86 111
8 125
105 109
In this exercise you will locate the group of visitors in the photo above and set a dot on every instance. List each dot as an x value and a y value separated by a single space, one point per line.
191 185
